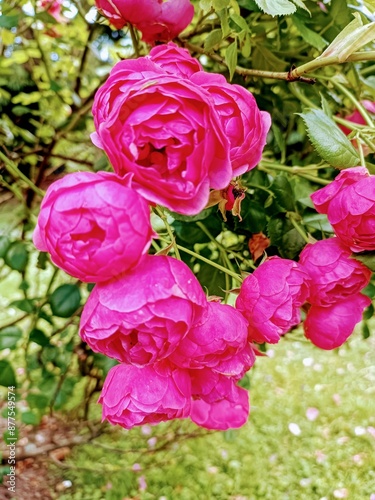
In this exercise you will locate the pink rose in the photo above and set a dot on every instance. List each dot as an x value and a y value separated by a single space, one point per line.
329 327
93 225
334 274
53 7
175 60
218 403
145 395
349 202
270 298
220 343
158 20
141 317
244 124
165 130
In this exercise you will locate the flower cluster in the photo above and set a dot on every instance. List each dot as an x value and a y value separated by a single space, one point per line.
172 132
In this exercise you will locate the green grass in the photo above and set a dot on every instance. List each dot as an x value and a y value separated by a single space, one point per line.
333 455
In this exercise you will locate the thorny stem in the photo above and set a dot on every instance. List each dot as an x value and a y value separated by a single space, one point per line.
213 264
297 227
265 166
14 170
294 74
161 214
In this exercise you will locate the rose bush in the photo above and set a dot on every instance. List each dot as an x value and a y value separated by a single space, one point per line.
219 343
166 131
349 202
157 20
93 225
142 316
270 298
329 327
334 275
145 395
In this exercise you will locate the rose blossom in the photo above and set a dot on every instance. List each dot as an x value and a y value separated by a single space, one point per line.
270 298
349 202
53 8
145 395
329 327
218 403
94 225
165 130
334 275
220 343
175 60
158 20
244 124
141 317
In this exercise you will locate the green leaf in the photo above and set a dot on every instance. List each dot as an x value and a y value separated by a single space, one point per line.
7 375
192 218
310 36
9 22
365 330
65 300
211 278
220 4
369 312
285 236
25 305
17 256
39 337
4 245
276 7
367 258
231 58
39 401
30 418
354 36
42 260
240 21
253 217
214 38
283 193
328 140
9 336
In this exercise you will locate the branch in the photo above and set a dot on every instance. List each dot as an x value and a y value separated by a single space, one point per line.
295 74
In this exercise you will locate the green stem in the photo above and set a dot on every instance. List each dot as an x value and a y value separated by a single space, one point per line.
213 264
161 214
14 170
290 170
360 151
134 39
298 227
355 101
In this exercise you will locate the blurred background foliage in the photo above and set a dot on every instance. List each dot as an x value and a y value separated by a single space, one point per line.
49 73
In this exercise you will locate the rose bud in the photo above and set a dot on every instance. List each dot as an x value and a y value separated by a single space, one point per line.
349 202
93 225
333 273
329 327
145 395
270 298
141 317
